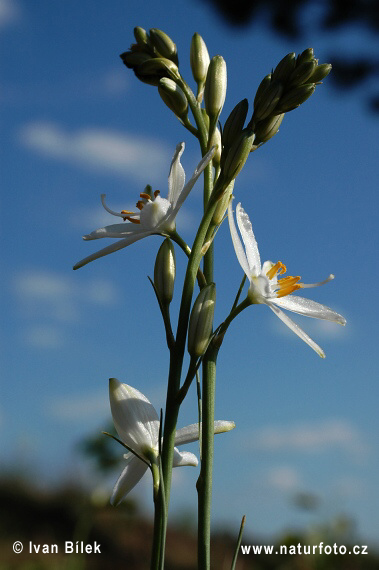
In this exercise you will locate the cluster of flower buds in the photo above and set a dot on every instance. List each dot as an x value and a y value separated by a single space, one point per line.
291 83
153 56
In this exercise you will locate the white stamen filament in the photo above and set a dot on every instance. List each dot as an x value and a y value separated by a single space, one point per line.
309 285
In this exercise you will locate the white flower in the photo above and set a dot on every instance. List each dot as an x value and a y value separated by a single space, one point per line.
154 215
266 285
137 424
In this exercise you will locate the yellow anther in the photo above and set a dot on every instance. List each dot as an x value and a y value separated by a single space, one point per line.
283 291
140 204
145 196
279 268
127 212
287 281
156 193
133 220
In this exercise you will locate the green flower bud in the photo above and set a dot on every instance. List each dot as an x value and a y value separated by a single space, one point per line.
164 272
234 123
215 86
266 129
268 101
154 69
141 36
320 72
284 68
164 45
199 58
306 55
216 141
302 72
222 205
201 321
295 97
173 96
237 155
263 86
133 58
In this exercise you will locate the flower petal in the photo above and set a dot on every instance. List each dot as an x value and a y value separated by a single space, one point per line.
238 247
190 433
134 417
111 248
183 458
177 176
129 477
199 169
115 231
296 329
309 308
248 238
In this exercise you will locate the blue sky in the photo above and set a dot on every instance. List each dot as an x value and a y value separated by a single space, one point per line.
75 124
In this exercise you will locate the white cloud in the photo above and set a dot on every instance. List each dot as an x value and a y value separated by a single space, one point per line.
97 149
283 478
50 301
310 438
80 407
9 12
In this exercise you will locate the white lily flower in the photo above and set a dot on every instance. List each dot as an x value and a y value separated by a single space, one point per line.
154 215
137 425
266 285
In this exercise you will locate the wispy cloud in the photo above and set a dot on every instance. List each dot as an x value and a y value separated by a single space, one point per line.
125 154
310 438
10 12
283 478
49 302
80 407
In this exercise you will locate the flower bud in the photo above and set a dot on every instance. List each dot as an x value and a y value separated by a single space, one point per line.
284 68
295 97
201 321
164 272
141 36
263 86
215 86
268 101
234 123
173 96
266 129
222 205
216 141
152 70
306 55
133 58
320 72
302 72
164 44
237 155
199 58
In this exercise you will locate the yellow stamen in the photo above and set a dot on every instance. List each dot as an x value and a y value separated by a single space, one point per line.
127 212
145 196
283 291
140 204
156 193
279 268
133 220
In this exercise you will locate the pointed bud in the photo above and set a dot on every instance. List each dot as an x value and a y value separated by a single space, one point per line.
302 72
295 97
164 272
216 141
199 58
306 55
237 155
235 123
134 58
268 101
164 44
222 205
284 68
320 72
262 88
154 69
215 86
266 129
201 321
141 36
173 96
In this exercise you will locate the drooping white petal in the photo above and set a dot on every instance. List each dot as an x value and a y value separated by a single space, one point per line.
129 477
111 248
309 308
296 329
134 417
248 238
183 458
177 176
199 169
190 433
238 247
115 231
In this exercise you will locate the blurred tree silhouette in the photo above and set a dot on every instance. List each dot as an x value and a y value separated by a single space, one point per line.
287 19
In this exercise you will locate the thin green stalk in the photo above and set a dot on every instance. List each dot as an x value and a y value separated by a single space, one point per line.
239 540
